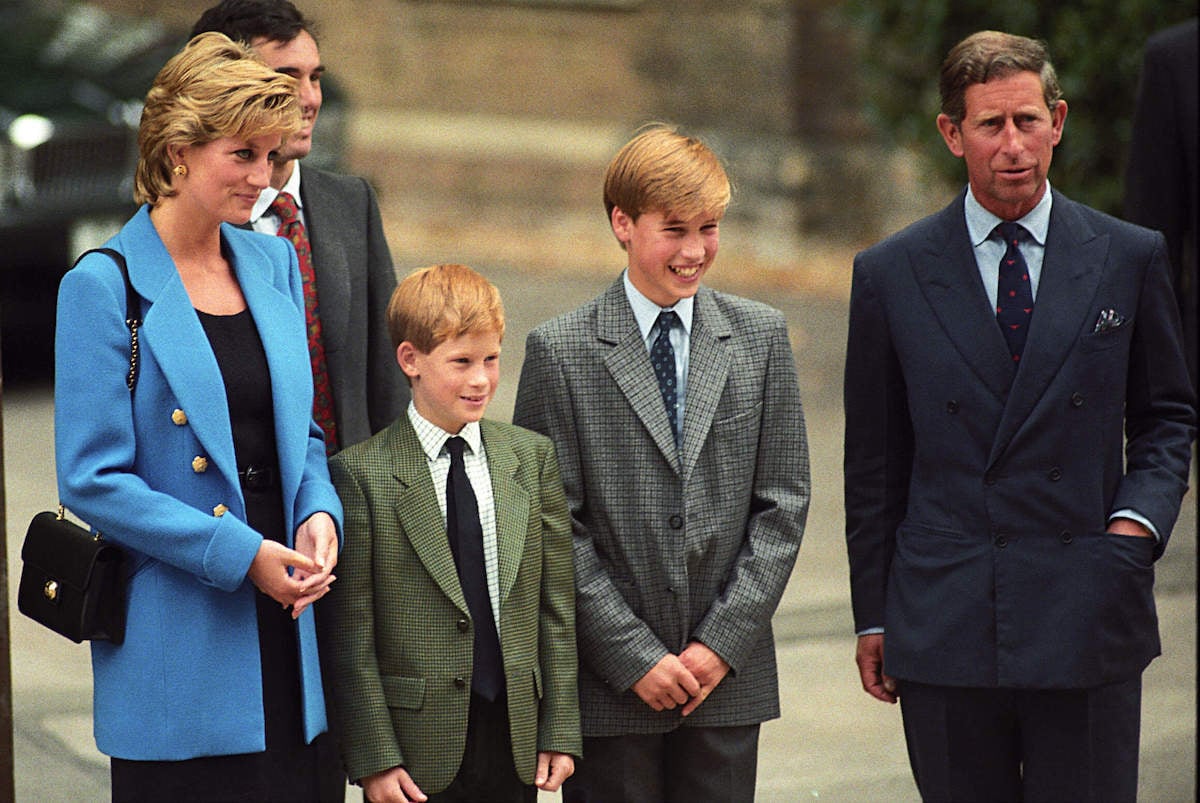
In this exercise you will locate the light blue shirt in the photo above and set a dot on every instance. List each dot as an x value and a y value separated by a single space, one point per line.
646 313
989 247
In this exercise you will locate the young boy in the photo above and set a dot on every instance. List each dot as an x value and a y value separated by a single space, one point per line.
453 624
677 417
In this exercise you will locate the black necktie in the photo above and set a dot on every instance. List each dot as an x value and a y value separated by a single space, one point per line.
662 357
466 542
1014 293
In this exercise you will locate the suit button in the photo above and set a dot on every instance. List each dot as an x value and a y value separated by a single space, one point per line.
1055 474
463 625
952 407
460 683
1065 536
989 478
1076 399
675 521
1001 541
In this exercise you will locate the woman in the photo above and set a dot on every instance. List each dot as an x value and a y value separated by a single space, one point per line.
211 473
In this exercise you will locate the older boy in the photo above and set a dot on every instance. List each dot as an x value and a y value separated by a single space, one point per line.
677 417
453 634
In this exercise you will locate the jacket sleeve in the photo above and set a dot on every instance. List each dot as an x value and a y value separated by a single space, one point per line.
878 451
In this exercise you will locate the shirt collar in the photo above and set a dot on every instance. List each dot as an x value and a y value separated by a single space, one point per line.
269 194
646 311
981 222
433 438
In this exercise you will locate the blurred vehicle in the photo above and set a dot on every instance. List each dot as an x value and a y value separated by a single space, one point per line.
74 76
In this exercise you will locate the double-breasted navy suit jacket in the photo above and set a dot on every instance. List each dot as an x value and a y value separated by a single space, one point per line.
978 493
155 472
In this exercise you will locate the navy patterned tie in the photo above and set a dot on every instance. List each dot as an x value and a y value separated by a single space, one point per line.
466 542
662 357
1014 295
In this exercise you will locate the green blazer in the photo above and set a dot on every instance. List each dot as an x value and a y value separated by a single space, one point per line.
400 637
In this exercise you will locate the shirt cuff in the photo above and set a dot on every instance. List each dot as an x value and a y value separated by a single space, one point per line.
1139 518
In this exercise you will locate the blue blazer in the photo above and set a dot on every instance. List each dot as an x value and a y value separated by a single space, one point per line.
977 494
157 475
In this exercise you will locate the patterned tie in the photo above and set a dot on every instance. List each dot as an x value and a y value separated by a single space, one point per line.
290 227
662 357
1014 296
466 543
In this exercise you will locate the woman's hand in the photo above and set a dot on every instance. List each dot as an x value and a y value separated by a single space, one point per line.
316 538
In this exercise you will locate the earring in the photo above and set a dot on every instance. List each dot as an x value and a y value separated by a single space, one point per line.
180 170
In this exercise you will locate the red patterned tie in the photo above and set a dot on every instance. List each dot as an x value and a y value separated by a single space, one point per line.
291 228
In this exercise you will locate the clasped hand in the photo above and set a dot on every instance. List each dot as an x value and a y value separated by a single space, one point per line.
686 679
311 562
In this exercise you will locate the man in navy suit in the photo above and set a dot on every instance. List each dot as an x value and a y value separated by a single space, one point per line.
1018 429
354 277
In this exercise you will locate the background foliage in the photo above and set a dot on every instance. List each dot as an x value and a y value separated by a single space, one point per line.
1095 45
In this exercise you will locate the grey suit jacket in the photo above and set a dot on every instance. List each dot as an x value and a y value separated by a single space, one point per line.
355 280
977 495
674 546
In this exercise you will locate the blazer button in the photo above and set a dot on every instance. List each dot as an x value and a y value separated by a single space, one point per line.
989 478
952 407
460 683
463 625
1076 399
1065 536
179 417
675 521
1055 474
1001 541
200 464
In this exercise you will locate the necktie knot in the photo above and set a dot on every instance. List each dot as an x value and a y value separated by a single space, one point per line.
455 447
1011 232
284 206
666 321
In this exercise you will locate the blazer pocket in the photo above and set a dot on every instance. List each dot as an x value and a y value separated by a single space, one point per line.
1103 341
400 692
741 415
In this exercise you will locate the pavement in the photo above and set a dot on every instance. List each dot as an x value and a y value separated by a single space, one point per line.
832 743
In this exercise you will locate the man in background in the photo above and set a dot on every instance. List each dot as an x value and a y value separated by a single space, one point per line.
334 221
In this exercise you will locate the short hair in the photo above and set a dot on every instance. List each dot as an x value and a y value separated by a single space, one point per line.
249 20
213 88
985 55
434 304
662 170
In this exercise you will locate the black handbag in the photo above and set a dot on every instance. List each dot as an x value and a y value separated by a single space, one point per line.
73 582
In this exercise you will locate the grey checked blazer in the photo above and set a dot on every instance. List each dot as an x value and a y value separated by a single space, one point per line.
673 546
355 280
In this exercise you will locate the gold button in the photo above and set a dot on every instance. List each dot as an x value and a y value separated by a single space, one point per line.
179 417
220 510
200 465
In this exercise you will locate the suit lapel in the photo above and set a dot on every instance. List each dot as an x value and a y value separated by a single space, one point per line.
417 506
948 275
325 219
511 504
629 365
1074 261
708 369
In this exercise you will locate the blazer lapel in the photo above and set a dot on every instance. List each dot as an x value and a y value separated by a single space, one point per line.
172 333
418 507
511 503
708 369
1071 268
948 275
629 365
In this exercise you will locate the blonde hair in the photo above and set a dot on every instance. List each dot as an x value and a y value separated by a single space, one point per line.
662 170
213 88
432 305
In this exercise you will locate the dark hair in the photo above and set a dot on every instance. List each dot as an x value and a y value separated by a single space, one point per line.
993 54
248 20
